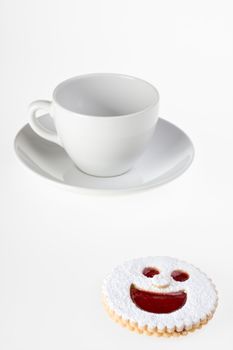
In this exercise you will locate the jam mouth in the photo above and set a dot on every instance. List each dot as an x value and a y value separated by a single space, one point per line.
157 303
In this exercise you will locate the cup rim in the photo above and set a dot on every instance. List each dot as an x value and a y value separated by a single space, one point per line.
151 105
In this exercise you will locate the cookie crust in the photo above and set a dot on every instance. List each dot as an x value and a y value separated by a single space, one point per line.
133 326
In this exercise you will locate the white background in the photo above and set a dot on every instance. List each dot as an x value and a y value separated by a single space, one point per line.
56 246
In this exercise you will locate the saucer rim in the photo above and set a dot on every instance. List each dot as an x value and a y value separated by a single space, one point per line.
86 190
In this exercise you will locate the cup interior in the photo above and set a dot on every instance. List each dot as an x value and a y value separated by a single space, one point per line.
105 95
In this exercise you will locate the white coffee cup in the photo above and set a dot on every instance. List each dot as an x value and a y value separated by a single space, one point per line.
103 121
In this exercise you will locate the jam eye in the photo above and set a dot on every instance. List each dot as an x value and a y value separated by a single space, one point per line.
150 272
179 276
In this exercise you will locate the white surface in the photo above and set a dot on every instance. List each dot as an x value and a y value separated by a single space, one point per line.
169 154
56 246
201 293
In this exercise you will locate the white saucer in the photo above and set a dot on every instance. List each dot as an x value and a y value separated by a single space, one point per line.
170 153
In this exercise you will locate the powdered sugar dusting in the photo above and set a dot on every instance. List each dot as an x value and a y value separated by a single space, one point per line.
201 293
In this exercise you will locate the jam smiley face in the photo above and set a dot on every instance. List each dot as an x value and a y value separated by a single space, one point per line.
161 293
159 302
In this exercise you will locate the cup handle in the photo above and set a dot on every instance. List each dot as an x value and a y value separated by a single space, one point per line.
36 125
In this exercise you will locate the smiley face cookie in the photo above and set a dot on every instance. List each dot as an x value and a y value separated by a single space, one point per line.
159 295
